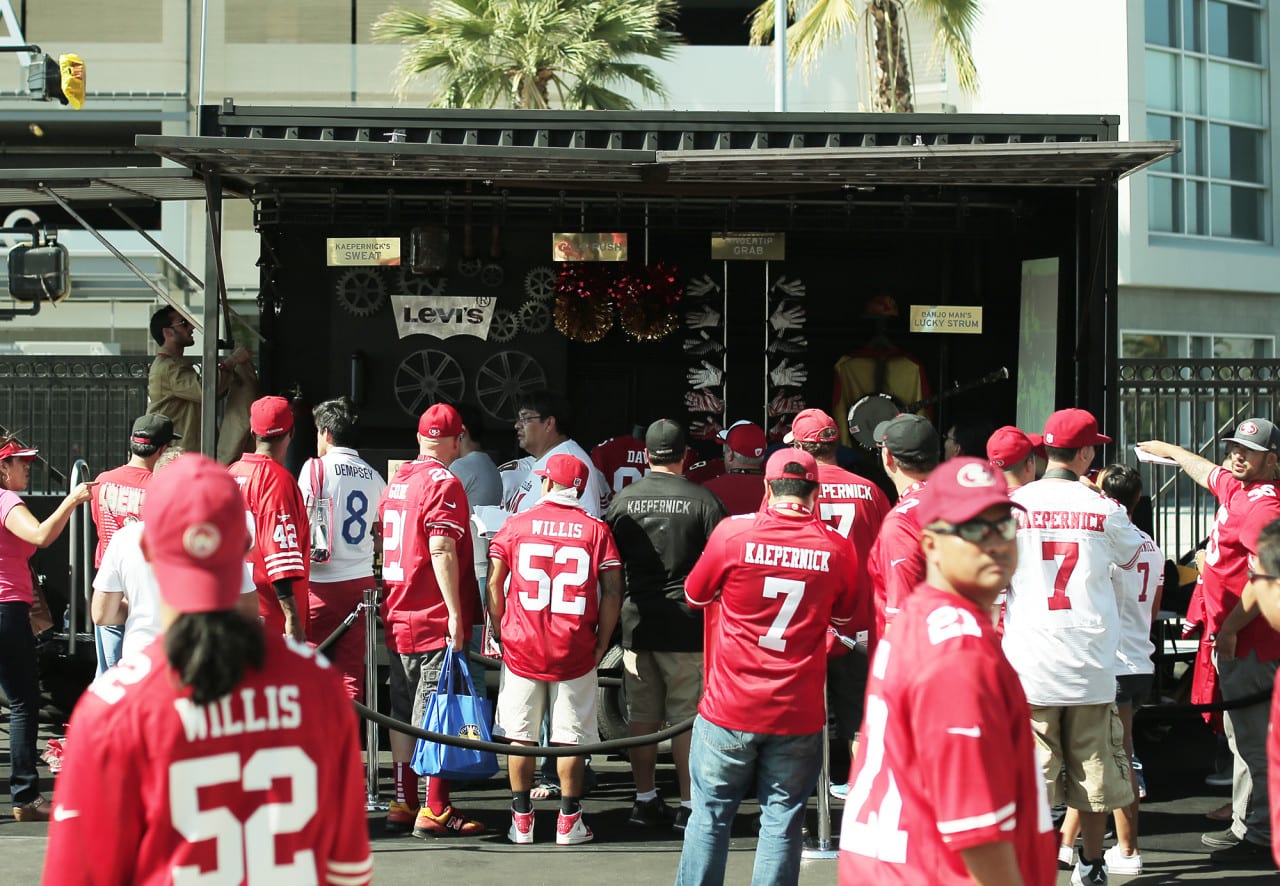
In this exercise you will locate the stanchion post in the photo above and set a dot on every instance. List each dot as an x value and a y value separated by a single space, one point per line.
822 847
373 802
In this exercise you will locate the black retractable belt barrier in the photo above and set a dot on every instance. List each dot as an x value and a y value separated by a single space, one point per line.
1233 704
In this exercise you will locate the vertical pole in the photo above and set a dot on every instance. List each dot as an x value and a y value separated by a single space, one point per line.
822 848
209 343
724 355
372 801
204 42
766 347
780 55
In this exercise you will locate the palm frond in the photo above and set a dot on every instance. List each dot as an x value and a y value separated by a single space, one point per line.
824 24
954 22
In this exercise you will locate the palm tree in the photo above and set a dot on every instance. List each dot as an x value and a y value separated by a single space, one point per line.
822 23
532 53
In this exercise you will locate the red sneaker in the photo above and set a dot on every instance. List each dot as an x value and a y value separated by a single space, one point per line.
449 823
400 817
572 830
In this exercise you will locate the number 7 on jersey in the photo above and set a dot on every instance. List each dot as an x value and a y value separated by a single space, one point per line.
791 591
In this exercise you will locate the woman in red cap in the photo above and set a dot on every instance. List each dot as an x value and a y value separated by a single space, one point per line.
20 534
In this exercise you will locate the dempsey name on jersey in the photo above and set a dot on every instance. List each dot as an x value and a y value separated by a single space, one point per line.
788 557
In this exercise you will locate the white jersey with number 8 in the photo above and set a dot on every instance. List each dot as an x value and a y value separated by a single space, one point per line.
353 488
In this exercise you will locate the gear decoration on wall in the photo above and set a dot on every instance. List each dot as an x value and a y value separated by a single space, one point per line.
540 283
469 267
504 379
421 284
504 326
492 275
535 317
426 377
360 291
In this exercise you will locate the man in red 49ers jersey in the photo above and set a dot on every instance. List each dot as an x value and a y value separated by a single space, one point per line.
773 582
242 772
280 565
556 615
428 573
1245 648
621 460
946 788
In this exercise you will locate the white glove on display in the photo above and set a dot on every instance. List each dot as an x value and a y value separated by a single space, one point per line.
704 429
700 286
792 288
787 316
705 317
705 376
783 375
703 401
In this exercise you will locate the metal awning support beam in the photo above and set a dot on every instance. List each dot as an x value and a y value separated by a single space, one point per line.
137 271
212 288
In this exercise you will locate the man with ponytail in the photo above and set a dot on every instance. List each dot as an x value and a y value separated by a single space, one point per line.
214 751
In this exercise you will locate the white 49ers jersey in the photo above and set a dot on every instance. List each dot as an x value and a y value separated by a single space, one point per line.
353 489
1062 620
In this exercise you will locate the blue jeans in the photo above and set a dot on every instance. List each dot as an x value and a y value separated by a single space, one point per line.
108 639
20 681
724 766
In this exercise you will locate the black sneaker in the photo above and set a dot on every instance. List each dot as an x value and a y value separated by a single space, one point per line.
1221 839
653 813
1089 873
682 818
1245 852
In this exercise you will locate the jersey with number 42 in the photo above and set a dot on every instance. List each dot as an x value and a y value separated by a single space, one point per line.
947 760
262 786
555 554
280 532
772 583
423 499
1062 619
353 488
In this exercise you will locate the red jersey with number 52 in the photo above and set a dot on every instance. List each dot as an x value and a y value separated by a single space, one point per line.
555 554
424 499
773 581
281 535
1062 620
262 786
947 760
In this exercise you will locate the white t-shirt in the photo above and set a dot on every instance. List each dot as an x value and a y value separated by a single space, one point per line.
1137 590
354 489
125 571
594 498
1062 619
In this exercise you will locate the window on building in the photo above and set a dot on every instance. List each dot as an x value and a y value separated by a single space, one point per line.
1206 86
1196 346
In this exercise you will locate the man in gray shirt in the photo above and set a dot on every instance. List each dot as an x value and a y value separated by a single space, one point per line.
661 523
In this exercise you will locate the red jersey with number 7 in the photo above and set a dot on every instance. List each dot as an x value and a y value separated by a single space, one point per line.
261 786
555 554
424 499
281 535
947 760
772 583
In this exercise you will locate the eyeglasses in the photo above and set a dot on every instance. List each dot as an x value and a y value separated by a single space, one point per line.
183 323
1262 576
977 531
525 419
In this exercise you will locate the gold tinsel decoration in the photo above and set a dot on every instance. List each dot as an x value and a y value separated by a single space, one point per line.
584 310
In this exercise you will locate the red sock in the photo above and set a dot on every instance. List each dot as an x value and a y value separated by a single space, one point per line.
437 795
406 785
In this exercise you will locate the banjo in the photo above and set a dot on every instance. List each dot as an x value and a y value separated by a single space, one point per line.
875 408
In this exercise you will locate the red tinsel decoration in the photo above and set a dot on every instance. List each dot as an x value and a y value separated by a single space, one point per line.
648 301
584 309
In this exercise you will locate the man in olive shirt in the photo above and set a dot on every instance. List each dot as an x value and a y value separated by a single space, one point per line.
661 523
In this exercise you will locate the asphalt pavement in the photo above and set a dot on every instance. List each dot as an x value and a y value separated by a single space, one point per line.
1176 757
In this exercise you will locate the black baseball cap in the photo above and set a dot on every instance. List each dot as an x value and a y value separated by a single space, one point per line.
909 436
153 429
664 439
1257 434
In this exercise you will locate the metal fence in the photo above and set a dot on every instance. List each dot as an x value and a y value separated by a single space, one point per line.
70 408
1193 403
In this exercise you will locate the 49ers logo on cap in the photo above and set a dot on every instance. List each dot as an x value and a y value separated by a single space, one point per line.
201 540
975 476
1248 429
433 432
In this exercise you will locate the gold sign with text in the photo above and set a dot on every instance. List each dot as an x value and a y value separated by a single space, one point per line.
344 252
601 246
749 246
956 319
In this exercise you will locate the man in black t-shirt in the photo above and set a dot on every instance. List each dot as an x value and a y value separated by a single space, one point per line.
661 524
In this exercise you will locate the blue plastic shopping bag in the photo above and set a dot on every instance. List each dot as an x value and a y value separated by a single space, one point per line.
452 713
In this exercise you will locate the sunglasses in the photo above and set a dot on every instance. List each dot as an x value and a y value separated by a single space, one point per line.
1262 576
183 323
977 531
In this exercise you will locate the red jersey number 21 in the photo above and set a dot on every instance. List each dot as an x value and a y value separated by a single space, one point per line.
791 591
1070 553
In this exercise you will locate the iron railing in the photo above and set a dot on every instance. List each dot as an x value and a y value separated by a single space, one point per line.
1193 403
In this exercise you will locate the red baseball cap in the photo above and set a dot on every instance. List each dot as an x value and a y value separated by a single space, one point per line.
1073 429
566 470
776 469
1010 445
270 417
14 449
960 489
440 420
812 426
744 438
195 534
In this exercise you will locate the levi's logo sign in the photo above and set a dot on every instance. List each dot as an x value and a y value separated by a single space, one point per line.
442 316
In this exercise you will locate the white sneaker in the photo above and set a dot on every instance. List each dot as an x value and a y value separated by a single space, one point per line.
1119 863
572 830
521 830
1066 856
